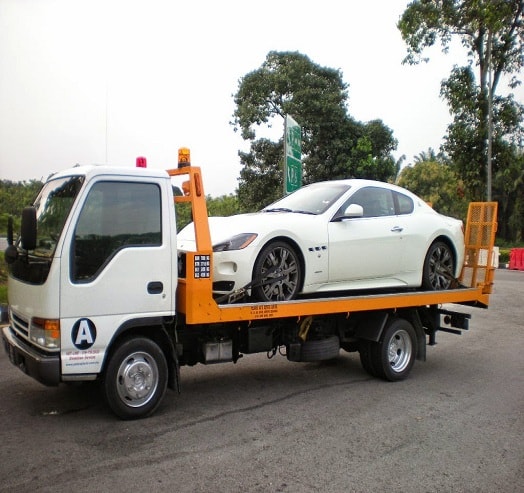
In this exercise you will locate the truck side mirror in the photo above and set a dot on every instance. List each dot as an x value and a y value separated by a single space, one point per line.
28 229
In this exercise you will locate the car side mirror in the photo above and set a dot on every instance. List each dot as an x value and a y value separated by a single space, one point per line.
351 211
354 210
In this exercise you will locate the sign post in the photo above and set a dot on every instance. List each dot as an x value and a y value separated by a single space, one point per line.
292 153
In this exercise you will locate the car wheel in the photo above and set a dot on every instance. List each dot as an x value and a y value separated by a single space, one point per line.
277 273
439 267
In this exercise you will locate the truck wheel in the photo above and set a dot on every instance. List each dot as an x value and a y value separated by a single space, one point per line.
277 272
366 358
320 350
439 267
136 378
393 357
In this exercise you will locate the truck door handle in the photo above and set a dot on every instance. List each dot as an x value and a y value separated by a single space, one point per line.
155 287
397 229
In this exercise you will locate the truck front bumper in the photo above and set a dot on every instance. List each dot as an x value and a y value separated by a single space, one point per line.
45 368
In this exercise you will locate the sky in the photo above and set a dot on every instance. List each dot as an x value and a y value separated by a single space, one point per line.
105 81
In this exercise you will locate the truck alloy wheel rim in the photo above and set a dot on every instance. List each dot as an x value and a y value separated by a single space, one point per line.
137 379
399 351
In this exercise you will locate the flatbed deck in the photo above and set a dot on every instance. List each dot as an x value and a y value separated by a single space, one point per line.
195 297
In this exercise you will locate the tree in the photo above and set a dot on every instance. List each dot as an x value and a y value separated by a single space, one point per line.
511 203
225 205
428 155
14 196
486 132
333 144
438 184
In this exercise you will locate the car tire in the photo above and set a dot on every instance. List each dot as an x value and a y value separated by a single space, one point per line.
277 273
439 267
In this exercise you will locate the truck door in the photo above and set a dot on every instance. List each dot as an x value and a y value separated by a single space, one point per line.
117 265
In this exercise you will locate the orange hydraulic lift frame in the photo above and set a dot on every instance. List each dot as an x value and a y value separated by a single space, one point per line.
194 292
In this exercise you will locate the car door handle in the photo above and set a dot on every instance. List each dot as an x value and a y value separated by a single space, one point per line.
397 229
155 287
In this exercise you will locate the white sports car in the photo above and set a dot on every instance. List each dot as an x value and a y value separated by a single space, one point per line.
333 236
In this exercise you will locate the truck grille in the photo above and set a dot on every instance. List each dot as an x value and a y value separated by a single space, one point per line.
20 325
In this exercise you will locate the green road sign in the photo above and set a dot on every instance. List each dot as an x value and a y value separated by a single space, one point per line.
292 151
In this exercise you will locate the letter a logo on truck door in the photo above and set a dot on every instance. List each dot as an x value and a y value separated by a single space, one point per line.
83 334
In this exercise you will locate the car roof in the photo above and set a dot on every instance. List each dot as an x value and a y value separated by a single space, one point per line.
358 183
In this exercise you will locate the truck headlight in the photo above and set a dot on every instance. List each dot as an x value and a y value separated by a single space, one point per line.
45 332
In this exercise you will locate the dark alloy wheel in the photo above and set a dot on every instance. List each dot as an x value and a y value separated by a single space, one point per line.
439 267
277 273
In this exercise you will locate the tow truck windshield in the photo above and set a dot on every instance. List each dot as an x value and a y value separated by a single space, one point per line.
52 205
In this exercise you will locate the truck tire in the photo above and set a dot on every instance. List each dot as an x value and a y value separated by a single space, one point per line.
394 355
366 358
136 378
320 350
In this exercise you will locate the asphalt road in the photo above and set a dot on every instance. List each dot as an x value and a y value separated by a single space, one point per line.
455 425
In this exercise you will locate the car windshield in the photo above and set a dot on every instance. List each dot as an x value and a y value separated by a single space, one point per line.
312 199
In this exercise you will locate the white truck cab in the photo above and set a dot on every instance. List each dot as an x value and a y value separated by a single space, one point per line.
104 258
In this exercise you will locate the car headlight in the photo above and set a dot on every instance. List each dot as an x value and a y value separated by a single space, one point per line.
236 242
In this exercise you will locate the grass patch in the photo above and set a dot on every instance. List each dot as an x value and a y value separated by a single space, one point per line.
505 249
3 294
3 279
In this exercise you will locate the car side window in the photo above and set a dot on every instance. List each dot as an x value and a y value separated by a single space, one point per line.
375 201
405 203
115 215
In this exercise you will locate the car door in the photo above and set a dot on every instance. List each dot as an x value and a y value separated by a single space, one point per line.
416 229
366 248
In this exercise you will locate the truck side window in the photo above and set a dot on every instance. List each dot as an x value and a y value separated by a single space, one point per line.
115 215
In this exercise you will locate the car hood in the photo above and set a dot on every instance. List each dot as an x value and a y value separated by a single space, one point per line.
261 223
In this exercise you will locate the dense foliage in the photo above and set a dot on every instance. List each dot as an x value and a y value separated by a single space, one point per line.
484 139
334 145
438 184
225 205
14 196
